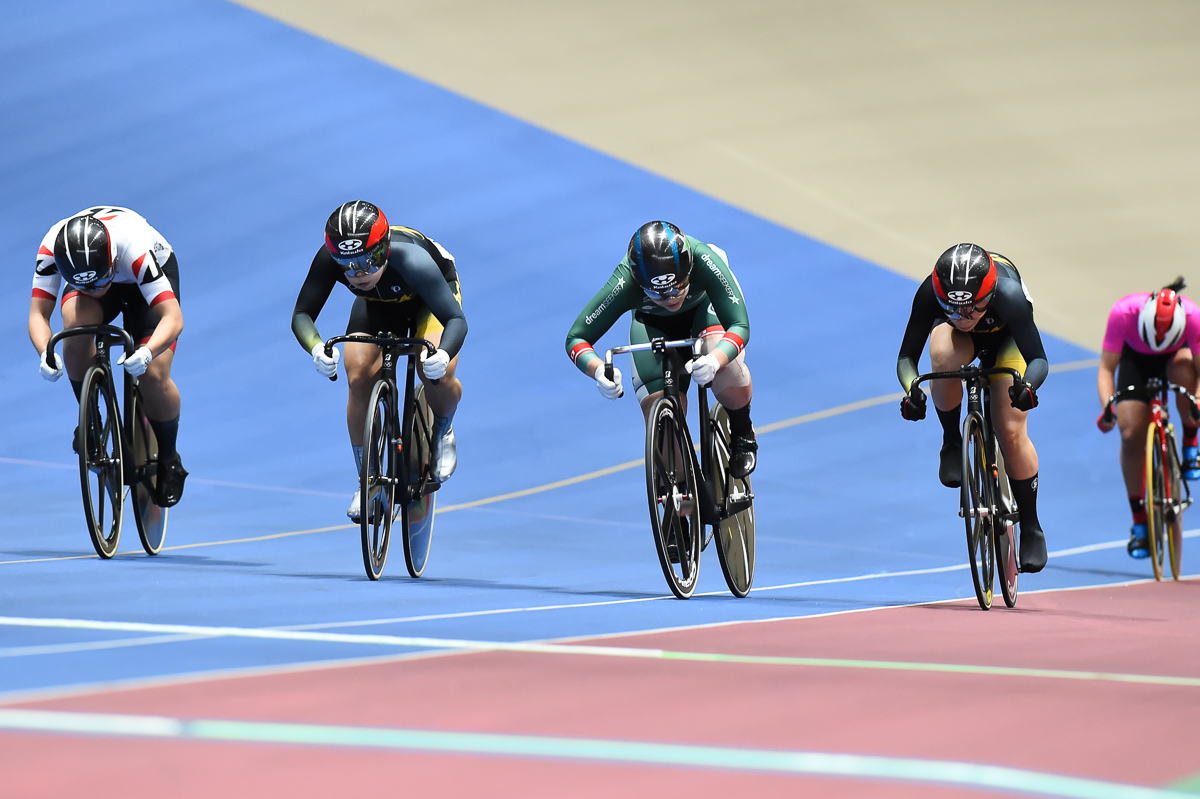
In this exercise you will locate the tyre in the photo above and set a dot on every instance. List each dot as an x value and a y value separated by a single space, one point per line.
1005 534
1179 499
1155 499
377 480
735 508
418 512
101 473
142 476
672 493
977 497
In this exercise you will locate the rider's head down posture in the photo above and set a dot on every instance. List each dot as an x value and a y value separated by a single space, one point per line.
1149 335
404 283
975 305
677 287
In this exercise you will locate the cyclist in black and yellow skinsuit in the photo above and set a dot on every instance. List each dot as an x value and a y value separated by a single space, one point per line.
400 279
677 287
975 305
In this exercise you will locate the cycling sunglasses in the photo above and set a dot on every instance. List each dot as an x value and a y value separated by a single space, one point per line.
365 263
667 293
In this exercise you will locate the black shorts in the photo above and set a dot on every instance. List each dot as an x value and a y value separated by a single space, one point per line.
1135 368
126 298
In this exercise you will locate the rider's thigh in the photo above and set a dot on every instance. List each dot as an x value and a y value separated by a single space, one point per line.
362 363
1010 424
78 351
949 349
1133 417
1181 369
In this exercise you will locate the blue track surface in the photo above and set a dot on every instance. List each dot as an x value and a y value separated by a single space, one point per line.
236 136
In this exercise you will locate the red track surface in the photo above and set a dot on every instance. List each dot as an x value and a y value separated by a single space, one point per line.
1074 727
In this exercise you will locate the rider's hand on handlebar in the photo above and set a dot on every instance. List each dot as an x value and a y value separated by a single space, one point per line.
912 406
435 366
324 364
49 372
703 368
610 389
1022 396
1106 421
137 362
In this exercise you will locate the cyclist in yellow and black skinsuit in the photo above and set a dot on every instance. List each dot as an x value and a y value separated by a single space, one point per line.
975 305
402 280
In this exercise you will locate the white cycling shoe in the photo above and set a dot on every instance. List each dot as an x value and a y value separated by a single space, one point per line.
352 511
445 456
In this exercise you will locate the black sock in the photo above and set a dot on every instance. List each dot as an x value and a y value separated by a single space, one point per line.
166 433
1025 493
951 432
739 421
77 387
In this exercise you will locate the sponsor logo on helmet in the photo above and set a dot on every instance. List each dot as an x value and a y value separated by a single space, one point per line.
959 297
662 280
349 245
85 277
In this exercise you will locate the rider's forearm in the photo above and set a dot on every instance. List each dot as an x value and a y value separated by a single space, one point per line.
39 323
1106 375
906 372
1036 372
583 355
169 326
305 331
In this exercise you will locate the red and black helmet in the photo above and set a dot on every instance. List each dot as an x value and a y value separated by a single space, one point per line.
1162 319
83 253
358 237
964 278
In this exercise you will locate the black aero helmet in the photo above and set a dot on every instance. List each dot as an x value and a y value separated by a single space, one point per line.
660 259
358 237
83 253
964 278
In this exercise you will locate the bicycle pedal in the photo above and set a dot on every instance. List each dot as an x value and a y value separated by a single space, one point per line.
735 506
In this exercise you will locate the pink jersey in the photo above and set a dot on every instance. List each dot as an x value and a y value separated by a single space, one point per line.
1123 325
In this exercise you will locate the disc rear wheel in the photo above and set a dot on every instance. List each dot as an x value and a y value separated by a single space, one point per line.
978 510
377 481
101 474
1156 500
143 477
418 510
672 493
735 507
1179 499
1004 530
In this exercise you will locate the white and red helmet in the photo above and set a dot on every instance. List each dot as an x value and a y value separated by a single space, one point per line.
1162 319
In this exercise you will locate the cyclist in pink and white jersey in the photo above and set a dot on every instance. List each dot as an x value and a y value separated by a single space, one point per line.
110 262
1149 335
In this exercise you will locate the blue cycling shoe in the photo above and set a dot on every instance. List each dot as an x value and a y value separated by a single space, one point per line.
1191 463
1139 542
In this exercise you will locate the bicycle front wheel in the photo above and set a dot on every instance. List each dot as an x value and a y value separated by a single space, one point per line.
143 477
672 493
977 497
418 510
100 460
377 480
735 507
1155 499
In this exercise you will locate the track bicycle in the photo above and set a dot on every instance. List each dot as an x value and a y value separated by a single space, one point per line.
681 504
115 453
986 502
397 473
1165 494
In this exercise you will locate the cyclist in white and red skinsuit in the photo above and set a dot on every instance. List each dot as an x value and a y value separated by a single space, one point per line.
1148 335
113 262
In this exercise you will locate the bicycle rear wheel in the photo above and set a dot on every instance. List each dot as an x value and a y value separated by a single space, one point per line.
977 497
143 477
1155 499
1004 530
735 507
1174 516
377 481
100 460
672 491
418 511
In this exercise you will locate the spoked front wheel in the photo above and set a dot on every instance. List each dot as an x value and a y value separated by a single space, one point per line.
1155 499
672 493
977 497
418 511
377 480
735 507
143 477
1004 530
100 469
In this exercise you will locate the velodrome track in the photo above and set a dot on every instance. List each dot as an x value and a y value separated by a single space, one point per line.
215 123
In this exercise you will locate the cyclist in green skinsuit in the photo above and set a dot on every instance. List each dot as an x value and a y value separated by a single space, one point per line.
677 287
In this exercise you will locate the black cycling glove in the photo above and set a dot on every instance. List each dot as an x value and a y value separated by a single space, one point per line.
912 406
1022 396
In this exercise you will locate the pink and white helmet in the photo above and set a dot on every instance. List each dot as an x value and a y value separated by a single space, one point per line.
1162 319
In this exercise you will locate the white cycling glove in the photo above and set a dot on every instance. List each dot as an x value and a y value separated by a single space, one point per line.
137 362
325 365
435 365
610 389
49 372
704 368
